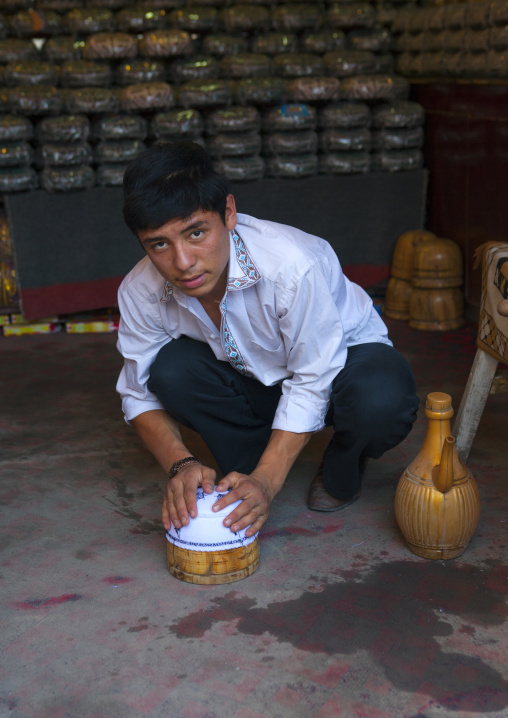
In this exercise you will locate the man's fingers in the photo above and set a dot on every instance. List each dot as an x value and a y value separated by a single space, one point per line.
208 479
166 521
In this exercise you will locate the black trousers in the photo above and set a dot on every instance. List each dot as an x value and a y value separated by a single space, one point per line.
372 409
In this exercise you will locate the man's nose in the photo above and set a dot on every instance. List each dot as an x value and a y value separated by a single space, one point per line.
184 257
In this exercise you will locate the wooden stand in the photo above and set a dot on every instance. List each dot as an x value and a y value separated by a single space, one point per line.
213 567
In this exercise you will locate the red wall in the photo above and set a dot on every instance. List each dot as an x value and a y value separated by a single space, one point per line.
466 153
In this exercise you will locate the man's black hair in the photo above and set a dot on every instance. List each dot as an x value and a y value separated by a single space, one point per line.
171 180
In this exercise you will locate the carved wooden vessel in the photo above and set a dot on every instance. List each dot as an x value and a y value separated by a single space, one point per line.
437 504
436 309
402 260
398 295
213 567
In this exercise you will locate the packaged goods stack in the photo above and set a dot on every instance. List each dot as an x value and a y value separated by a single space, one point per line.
159 69
345 138
234 142
397 136
460 40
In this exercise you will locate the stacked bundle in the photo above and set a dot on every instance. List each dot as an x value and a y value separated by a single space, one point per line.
290 141
464 40
234 142
397 136
345 138
171 65
64 154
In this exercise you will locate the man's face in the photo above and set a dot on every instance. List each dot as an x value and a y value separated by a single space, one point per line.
193 253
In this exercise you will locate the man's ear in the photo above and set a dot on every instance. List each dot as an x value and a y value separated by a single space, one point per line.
230 215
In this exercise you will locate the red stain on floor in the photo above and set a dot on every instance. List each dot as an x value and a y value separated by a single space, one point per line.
47 602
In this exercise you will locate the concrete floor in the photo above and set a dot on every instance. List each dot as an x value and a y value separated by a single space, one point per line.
341 619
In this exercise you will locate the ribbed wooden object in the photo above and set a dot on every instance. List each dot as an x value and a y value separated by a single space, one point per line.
437 504
437 263
402 260
398 294
436 309
213 567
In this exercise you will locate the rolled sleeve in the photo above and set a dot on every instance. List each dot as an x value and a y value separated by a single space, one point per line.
316 352
140 337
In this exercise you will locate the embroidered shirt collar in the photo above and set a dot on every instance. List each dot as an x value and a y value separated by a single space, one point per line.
242 272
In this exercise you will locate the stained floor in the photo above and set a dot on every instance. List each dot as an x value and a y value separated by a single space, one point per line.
341 619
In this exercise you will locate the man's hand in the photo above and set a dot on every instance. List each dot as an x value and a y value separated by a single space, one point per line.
256 494
180 495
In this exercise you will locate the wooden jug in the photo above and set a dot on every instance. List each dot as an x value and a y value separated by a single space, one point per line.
402 260
437 504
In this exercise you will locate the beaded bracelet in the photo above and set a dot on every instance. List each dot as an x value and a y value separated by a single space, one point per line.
180 464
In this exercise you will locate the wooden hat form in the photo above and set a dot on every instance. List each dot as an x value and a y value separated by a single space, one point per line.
207 552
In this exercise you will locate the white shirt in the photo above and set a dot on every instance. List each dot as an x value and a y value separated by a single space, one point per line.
288 316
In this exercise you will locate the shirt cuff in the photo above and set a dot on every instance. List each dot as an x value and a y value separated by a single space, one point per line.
134 407
299 415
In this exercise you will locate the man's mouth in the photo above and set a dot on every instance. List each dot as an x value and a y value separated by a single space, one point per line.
193 282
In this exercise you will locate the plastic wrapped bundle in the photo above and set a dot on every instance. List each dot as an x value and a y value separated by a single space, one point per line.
234 144
291 166
398 115
146 96
32 22
275 43
64 128
3 26
60 6
137 20
498 38
299 65
240 169
120 127
110 46
60 49
247 64
290 143
498 12
345 115
350 15
16 154
434 63
286 118
246 18
181 124
37 100
435 19
387 15
91 100
397 139
497 64
357 139
61 179
18 179
455 16
375 87
293 17
197 67
204 93
89 20
117 151
233 119
375 40
344 163
85 73
477 15
262 91
109 4
64 154
30 73
345 63
397 161
314 89
222 45
409 65
15 129
165 43
110 175
14 50
453 40
322 41
195 19
136 71
384 64
457 62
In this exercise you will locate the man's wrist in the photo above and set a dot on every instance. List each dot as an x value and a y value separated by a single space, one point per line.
180 465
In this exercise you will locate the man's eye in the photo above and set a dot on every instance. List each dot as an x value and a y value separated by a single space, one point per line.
197 234
159 245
